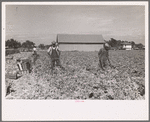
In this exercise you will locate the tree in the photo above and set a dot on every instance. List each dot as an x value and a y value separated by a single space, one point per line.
28 44
133 44
113 42
11 43
119 43
140 46
41 46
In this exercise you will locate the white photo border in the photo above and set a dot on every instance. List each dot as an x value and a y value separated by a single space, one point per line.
23 110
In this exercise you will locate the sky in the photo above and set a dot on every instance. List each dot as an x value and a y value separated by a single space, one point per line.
41 23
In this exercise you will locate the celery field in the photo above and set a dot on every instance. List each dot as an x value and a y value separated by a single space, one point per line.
80 79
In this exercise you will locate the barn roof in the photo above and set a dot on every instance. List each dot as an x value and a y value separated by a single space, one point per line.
80 38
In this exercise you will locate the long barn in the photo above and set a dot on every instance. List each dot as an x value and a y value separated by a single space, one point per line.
80 42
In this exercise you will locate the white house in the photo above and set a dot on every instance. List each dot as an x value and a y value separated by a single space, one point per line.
80 42
127 46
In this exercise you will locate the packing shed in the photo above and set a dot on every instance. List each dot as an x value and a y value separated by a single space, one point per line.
80 42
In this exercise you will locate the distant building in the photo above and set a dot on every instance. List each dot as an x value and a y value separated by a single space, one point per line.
127 46
80 42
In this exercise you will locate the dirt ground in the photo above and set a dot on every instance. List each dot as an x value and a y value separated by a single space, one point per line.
80 79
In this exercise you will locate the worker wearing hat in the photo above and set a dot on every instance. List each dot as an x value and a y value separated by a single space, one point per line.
54 54
103 55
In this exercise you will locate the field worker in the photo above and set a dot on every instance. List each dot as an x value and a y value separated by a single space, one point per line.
103 55
54 54
34 55
34 50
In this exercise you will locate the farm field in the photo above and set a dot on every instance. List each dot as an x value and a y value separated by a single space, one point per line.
81 80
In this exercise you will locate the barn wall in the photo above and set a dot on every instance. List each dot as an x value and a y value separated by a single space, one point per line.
127 47
69 47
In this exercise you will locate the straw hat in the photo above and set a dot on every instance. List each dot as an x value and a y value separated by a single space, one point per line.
53 42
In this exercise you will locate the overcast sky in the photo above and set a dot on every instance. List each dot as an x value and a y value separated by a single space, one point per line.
41 23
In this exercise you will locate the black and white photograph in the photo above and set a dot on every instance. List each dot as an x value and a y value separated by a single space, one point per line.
76 52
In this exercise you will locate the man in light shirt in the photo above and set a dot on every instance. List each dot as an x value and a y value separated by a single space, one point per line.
34 50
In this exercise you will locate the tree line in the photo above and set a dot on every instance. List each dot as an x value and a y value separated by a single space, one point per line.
118 44
12 43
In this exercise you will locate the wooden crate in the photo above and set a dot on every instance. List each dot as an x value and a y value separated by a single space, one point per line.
26 64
